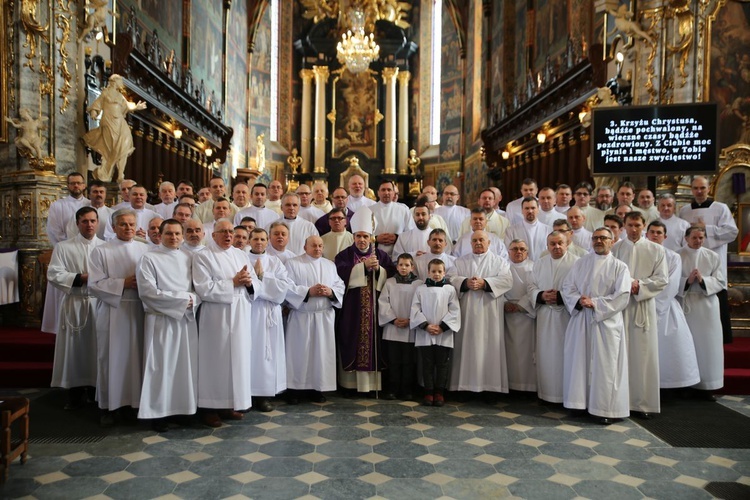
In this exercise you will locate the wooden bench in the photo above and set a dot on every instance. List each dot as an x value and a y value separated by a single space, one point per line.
12 409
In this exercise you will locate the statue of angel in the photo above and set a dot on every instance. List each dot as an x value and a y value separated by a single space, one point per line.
624 23
29 138
113 138
97 19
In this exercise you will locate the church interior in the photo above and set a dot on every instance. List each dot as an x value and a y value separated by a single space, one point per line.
469 93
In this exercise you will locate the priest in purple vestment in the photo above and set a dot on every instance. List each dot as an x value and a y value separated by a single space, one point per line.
364 269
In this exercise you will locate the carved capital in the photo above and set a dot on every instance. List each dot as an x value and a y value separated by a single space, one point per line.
403 77
307 75
389 74
321 74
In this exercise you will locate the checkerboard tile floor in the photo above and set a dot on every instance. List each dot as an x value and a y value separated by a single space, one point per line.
350 448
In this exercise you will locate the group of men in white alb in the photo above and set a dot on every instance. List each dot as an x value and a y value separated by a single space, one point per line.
180 307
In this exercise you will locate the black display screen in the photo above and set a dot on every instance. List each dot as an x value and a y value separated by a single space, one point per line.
654 140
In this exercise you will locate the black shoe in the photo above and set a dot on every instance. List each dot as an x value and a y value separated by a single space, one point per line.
317 397
706 396
262 404
605 421
159 425
577 413
642 415
389 396
407 397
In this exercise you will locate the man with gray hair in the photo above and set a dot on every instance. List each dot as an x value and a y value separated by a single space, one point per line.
119 318
604 198
675 226
595 374
168 199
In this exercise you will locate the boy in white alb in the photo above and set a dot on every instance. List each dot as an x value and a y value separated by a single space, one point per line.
394 307
436 314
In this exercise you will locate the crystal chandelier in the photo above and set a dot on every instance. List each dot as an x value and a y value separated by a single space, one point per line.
356 50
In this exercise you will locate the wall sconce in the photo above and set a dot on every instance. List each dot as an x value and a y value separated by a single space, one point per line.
505 154
208 151
177 133
541 137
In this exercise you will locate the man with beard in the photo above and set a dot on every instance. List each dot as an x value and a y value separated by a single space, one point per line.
596 292
170 345
227 285
532 232
357 196
97 197
481 279
119 317
269 353
544 287
514 209
604 198
364 269
61 213
193 236
75 344
414 241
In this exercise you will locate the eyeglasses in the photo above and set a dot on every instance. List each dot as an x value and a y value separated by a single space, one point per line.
224 231
337 219
518 249
583 194
600 238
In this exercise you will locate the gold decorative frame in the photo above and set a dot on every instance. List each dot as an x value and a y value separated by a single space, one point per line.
4 96
708 11
370 149
743 223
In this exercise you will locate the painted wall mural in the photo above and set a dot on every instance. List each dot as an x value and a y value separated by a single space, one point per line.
729 81
237 82
206 40
496 90
260 84
451 100
164 17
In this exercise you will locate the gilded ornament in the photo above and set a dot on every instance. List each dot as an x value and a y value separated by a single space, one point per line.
24 205
294 161
63 24
413 162
44 205
10 62
33 29
27 278
624 23
393 11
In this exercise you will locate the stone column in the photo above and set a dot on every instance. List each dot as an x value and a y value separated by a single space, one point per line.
307 76
321 78
389 79
403 120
